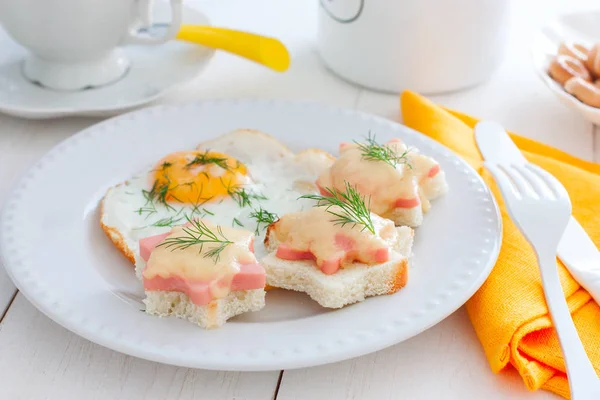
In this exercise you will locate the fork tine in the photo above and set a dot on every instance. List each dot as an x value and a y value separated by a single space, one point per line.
538 184
553 183
505 184
519 181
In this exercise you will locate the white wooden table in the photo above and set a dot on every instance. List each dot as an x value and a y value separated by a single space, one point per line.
41 360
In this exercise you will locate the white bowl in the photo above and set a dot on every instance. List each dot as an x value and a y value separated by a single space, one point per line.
581 27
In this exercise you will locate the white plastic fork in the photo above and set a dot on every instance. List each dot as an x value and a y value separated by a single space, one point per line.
540 207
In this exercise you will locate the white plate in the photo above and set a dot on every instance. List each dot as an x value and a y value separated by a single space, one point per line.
583 27
56 253
154 71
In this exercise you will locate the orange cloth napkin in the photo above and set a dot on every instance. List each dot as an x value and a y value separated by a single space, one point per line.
509 312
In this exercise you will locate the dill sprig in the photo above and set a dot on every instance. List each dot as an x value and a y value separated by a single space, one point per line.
190 184
149 209
158 193
171 220
373 151
263 216
204 158
199 234
242 196
354 209
197 208
163 167
168 221
236 222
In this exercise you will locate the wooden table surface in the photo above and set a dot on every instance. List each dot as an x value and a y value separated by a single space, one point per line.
41 360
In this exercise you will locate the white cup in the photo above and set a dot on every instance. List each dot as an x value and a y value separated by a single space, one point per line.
429 46
74 43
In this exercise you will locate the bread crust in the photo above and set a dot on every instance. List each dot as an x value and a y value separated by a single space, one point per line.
303 276
270 243
209 316
401 278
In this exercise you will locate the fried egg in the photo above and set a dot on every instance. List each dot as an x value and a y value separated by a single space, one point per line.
243 179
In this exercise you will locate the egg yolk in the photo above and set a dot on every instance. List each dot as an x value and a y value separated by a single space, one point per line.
197 176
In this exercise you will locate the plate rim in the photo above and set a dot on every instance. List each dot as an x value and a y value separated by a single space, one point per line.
455 301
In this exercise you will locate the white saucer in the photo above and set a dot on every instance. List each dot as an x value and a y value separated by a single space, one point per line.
154 70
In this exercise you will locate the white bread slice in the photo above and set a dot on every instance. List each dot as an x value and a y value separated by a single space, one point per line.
212 315
435 187
348 285
412 217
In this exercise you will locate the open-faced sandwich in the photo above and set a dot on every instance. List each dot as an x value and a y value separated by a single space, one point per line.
399 181
202 272
337 252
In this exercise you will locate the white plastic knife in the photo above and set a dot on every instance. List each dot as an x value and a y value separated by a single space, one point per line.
576 250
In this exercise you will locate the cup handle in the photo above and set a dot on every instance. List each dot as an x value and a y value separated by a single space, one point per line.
144 14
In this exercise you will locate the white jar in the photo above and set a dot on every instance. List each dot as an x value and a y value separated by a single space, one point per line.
429 46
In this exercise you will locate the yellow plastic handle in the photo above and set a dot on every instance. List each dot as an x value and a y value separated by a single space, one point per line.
267 51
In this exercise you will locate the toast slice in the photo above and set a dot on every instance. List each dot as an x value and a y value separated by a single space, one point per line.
350 284
209 316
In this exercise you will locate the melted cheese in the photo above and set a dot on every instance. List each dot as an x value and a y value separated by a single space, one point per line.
385 184
315 231
420 165
191 264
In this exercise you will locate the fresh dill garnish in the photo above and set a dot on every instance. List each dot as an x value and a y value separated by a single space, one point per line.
199 234
158 193
190 184
354 209
204 158
149 209
199 202
207 212
163 166
373 151
168 221
236 222
263 216
242 196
